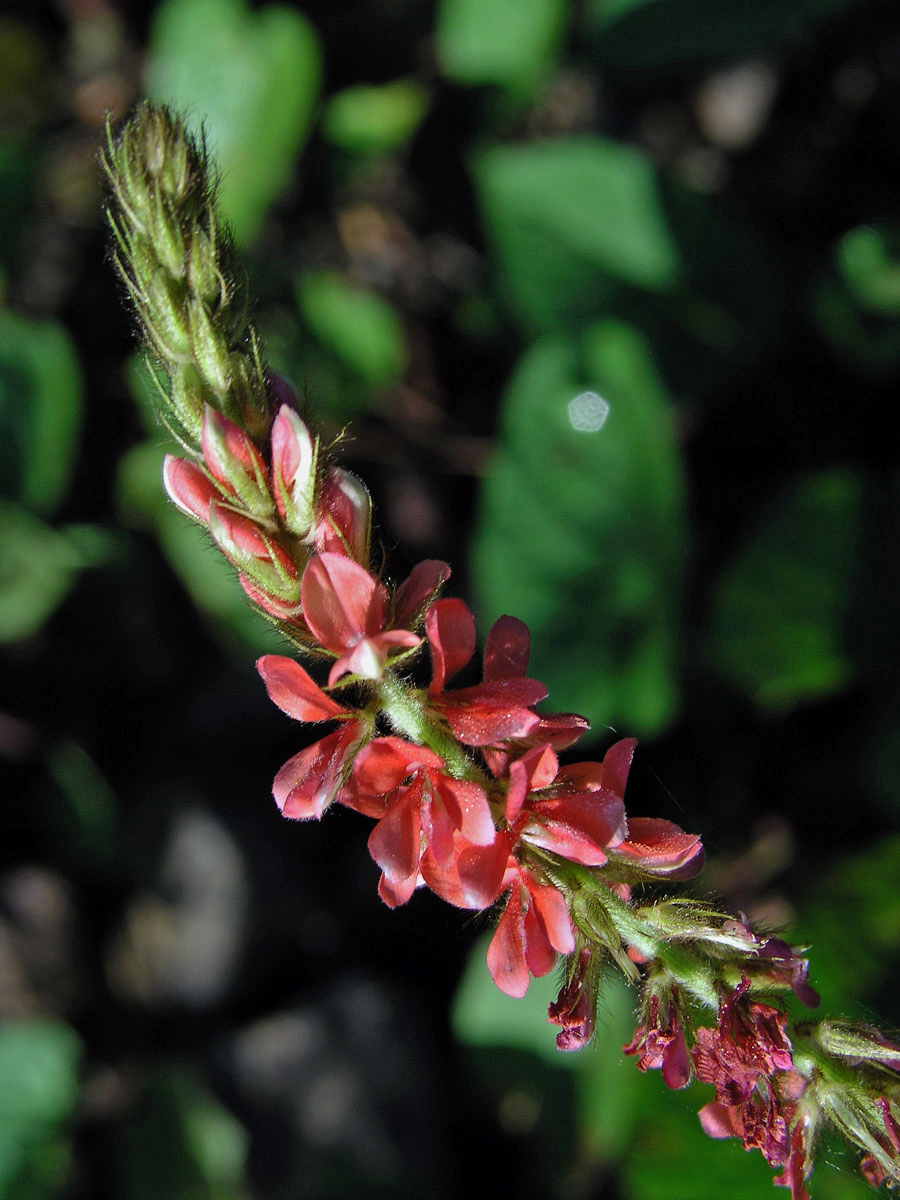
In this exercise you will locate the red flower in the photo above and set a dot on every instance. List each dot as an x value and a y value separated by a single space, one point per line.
662 1045
346 610
310 781
343 516
492 711
535 926
417 804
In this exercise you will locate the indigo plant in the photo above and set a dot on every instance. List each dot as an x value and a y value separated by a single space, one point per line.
464 784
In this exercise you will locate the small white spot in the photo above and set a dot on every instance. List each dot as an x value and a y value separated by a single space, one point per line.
588 412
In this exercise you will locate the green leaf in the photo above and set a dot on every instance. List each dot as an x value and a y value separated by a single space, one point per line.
779 622
375 120
359 326
661 37
38 566
566 218
513 43
39 1060
581 529
253 78
206 575
40 411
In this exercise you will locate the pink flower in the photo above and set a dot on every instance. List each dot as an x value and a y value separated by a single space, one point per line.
655 847
236 463
347 610
189 487
294 460
661 1043
492 711
313 779
417 805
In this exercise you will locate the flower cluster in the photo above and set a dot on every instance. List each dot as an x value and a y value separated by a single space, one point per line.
464 784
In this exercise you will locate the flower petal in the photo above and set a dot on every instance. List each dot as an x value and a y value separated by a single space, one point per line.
341 601
507 650
492 712
396 841
662 848
395 894
450 628
553 910
506 953
617 764
418 590
580 827
387 761
311 780
295 691
469 807
536 769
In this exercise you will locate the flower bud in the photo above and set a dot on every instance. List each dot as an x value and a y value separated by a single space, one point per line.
236 463
294 457
859 1043
210 350
344 521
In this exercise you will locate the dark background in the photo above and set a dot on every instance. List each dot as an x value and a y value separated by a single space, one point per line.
689 209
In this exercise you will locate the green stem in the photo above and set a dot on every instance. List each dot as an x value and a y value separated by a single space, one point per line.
404 709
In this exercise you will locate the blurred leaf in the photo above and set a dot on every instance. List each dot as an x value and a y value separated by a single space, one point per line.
485 1016
40 410
207 576
513 43
662 37
375 120
87 820
252 78
39 1061
563 215
778 627
38 565
855 909
869 260
360 326
581 530
671 1158
182 1143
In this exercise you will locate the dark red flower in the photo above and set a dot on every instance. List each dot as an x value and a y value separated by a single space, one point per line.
534 927
661 1043
748 1044
575 1006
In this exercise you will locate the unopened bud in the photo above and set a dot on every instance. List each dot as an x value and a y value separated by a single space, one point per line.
344 521
210 350
166 316
859 1043
236 463
255 554
294 456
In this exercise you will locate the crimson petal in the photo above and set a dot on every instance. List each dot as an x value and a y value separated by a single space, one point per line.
295 691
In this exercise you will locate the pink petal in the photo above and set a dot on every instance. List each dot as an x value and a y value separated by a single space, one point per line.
450 628
551 906
237 535
228 450
310 781
539 954
395 894
418 590
536 769
580 827
295 691
507 650
506 953
387 761
341 601
662 847
492 712
469 806
561 730
476 876
284 610
396 841
344 516
717 1121
368 657
617 764
438 828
